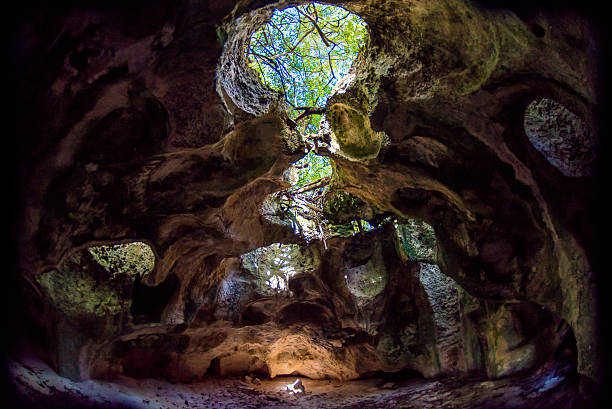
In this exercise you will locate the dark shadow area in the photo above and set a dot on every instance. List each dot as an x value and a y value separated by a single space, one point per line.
395 377
149 302
214 369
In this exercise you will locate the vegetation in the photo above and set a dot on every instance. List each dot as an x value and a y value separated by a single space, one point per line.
311 168
78 293
341 203
303 202
348 215
302 52
132 259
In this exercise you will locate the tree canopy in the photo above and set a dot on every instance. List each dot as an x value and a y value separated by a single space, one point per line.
302 52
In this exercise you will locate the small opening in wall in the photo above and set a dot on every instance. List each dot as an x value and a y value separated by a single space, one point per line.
561 136
538 30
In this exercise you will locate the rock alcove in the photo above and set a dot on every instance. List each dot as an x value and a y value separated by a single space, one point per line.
446 257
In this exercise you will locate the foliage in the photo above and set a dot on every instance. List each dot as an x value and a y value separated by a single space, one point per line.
303 51
341 203
131 259
345 214
361 225
302 204
312 167
352 227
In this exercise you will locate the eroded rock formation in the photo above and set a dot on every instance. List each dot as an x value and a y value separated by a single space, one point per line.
145 124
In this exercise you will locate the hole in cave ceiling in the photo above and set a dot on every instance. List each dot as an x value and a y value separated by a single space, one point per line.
562 137
275 264
302 52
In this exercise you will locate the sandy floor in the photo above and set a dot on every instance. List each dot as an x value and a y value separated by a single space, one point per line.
40 387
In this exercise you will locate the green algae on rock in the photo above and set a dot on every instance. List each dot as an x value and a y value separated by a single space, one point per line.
134 259
78 293
352 132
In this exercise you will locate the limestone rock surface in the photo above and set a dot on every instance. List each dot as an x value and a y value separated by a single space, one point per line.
145 124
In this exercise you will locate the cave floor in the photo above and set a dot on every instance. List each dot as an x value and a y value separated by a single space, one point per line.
40 387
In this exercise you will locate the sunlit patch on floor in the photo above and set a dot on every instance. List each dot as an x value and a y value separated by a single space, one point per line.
295 387
36 381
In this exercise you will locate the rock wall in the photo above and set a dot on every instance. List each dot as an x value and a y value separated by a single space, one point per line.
449 84
133 133
442 293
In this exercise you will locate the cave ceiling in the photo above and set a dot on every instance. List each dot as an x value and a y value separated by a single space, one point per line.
143 123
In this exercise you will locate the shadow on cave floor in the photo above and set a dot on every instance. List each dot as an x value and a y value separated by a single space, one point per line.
39 387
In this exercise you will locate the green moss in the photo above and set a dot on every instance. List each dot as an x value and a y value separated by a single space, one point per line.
341 203
77 294
97 282
357 141
132 259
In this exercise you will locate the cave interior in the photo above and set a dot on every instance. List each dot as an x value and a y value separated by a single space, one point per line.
186 233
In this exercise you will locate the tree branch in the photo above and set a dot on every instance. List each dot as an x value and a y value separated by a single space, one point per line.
309 111
308 205
294 47
330 65
272 64
326 40
311 186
